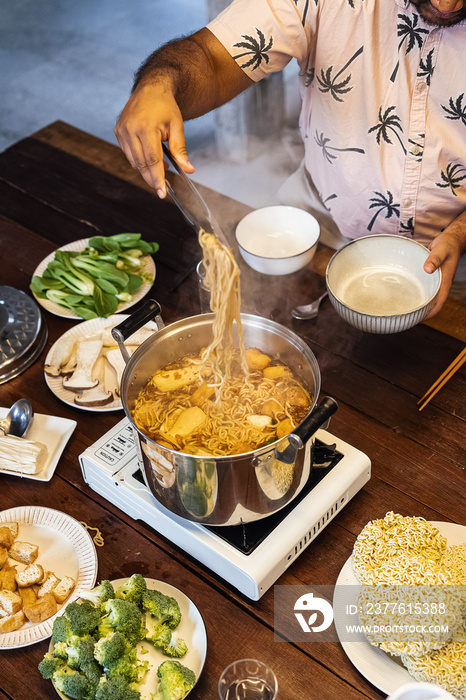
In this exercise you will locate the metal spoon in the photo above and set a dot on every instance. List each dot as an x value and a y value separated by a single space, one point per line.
18 419
305 313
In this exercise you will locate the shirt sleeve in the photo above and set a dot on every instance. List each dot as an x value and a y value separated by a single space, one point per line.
264 35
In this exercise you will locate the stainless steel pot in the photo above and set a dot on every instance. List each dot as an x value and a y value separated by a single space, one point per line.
222 490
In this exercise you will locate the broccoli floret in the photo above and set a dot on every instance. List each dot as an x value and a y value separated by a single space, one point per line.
83 617
72 683
61 630
175 680
105 628
133 589
126 617
116 688
126 666
164 639
163 608
80 650
60 650
49 665
100 594
110 648
93 673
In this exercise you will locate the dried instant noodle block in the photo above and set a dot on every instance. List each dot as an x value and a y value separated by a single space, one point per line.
454 560
411 619
384 540
445 667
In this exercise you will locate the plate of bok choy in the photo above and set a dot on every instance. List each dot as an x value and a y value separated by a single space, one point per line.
95 277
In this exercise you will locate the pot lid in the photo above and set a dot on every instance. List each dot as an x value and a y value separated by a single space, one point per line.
23 332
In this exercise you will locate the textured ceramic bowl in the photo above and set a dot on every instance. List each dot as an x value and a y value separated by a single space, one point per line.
378 283
278 240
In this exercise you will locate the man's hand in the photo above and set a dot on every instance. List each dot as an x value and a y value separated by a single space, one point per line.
445 252
182 80
150 117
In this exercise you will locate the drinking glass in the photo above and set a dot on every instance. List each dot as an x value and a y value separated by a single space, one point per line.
204 291
248 679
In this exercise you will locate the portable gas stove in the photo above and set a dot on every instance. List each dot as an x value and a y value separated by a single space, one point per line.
251 557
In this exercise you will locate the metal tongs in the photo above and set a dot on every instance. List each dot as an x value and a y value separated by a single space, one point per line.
205 220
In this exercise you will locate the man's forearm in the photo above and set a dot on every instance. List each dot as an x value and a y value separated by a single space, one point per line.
197 70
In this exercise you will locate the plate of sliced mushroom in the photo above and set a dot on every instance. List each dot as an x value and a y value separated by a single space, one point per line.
84 366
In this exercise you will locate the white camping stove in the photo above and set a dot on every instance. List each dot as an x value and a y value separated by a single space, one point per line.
250 557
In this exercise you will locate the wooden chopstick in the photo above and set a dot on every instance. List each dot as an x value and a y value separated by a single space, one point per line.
443 379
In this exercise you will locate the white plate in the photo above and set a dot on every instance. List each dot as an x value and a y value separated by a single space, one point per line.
191 629
76 246
384 671
65 547
89 329
52 431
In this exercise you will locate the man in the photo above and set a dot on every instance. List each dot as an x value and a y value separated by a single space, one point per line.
383 114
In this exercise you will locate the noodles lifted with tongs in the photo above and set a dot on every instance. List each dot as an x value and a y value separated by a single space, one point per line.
224 399
222 277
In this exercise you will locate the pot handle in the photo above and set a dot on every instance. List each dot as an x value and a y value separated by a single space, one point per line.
150 309
306 429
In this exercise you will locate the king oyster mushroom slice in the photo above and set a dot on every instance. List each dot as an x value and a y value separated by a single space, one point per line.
91 398
87 353
118 364
60 356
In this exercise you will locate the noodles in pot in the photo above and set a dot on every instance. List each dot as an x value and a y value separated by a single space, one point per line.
225 400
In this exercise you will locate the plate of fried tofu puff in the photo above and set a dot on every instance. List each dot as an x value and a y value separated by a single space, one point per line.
47 558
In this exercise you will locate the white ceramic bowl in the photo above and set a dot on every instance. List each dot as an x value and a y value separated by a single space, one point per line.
278 240
378 283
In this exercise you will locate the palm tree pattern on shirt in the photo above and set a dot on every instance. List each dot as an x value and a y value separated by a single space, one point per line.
410 34
388 123
456 109
329 84
426 67
256 49
383 203
452 177
407 227
323 142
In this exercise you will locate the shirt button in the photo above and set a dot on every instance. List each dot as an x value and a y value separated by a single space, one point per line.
407 202
421 87
415 150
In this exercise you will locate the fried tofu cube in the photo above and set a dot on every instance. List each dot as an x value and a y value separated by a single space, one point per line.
63 589
6 537
24 552
296 396
188 421
27 595
259 421
12 622
10 601
272 408
202 394
33 573
13 527
3 556
276 372
42 609
172 379
49 583
256 359
7 578
284 427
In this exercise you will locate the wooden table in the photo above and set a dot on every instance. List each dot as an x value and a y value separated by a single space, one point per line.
61 185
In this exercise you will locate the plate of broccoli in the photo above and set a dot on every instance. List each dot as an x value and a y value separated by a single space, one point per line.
128 639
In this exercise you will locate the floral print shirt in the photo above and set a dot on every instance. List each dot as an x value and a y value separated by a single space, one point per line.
383 114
